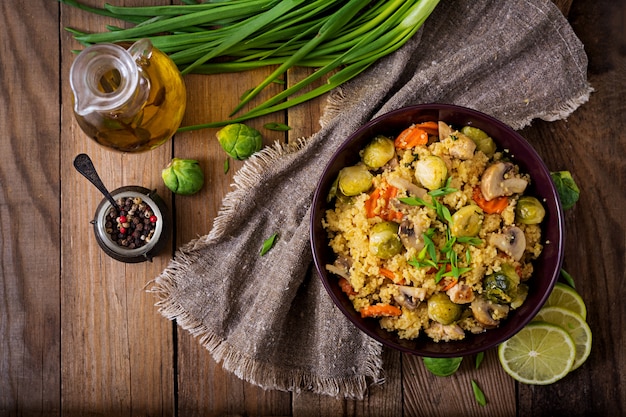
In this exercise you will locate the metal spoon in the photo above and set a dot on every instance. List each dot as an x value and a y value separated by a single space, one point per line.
84 165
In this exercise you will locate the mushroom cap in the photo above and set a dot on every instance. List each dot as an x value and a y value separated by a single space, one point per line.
494 182
511 241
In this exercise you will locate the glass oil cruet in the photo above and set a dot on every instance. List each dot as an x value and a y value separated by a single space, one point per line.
129 100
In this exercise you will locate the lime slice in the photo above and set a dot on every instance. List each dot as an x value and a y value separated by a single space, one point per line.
565 296
539 354
575 325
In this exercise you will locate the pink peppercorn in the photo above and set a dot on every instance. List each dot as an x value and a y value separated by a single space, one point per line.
153 219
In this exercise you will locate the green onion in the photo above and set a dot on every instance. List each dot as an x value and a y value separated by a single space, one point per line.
478 394
342 38
268 244
479 359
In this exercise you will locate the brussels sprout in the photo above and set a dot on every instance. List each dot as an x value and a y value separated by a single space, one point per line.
522 293
183 176
431 172
529 211
567 188
384 240
442 366
441 309
240 141
467 221
354 180
501 287
483 142
378 152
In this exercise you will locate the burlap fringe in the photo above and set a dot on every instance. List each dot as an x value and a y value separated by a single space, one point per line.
247 369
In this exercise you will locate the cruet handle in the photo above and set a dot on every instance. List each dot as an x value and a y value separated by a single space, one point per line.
141 51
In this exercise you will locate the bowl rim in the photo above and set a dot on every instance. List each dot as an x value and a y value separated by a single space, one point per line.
482 341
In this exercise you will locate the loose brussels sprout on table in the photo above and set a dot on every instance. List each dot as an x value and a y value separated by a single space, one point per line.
183 176
240 141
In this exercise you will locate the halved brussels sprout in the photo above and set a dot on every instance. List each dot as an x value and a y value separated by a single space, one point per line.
384 240
501 287
431 172
378 152
441 309
467 221
354 180
529 210
483 141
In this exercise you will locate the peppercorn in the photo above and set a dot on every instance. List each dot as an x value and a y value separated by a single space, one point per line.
133 225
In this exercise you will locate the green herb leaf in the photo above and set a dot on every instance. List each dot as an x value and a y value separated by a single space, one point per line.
268 244
226 165
442 366
277 126
415 201
479 359
568 278
566 187
474 241
478 394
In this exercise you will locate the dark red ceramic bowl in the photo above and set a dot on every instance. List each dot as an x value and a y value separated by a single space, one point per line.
547 267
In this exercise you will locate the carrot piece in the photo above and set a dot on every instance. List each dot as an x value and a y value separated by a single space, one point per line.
411 137
380 310
450 284
371 203
432 128
346 287
495 205
390 192
387 273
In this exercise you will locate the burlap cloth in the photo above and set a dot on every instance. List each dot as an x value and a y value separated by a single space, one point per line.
268 319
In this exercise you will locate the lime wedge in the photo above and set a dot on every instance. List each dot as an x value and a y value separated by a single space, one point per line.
539 354
565 296
575 325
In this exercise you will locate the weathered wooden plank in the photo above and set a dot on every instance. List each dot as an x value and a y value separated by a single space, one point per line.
29 211
116 351
204 387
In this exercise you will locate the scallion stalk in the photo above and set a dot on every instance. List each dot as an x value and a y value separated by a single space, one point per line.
344 37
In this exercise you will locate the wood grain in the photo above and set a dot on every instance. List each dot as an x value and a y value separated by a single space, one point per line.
80 335
29 211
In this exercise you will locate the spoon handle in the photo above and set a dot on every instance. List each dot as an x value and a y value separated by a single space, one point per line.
84 165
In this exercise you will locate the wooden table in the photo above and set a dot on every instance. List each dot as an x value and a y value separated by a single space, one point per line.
81 336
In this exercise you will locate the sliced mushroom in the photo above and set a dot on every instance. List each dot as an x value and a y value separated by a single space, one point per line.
409 297
340 267
461 294
511 241
445 332
444 130
487 313
462 147
408 186
410 235
496 181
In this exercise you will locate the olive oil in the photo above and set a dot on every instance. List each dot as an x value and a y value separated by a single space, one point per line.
150 115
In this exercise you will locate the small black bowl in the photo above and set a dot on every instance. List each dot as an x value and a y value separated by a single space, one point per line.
546 267
161 231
